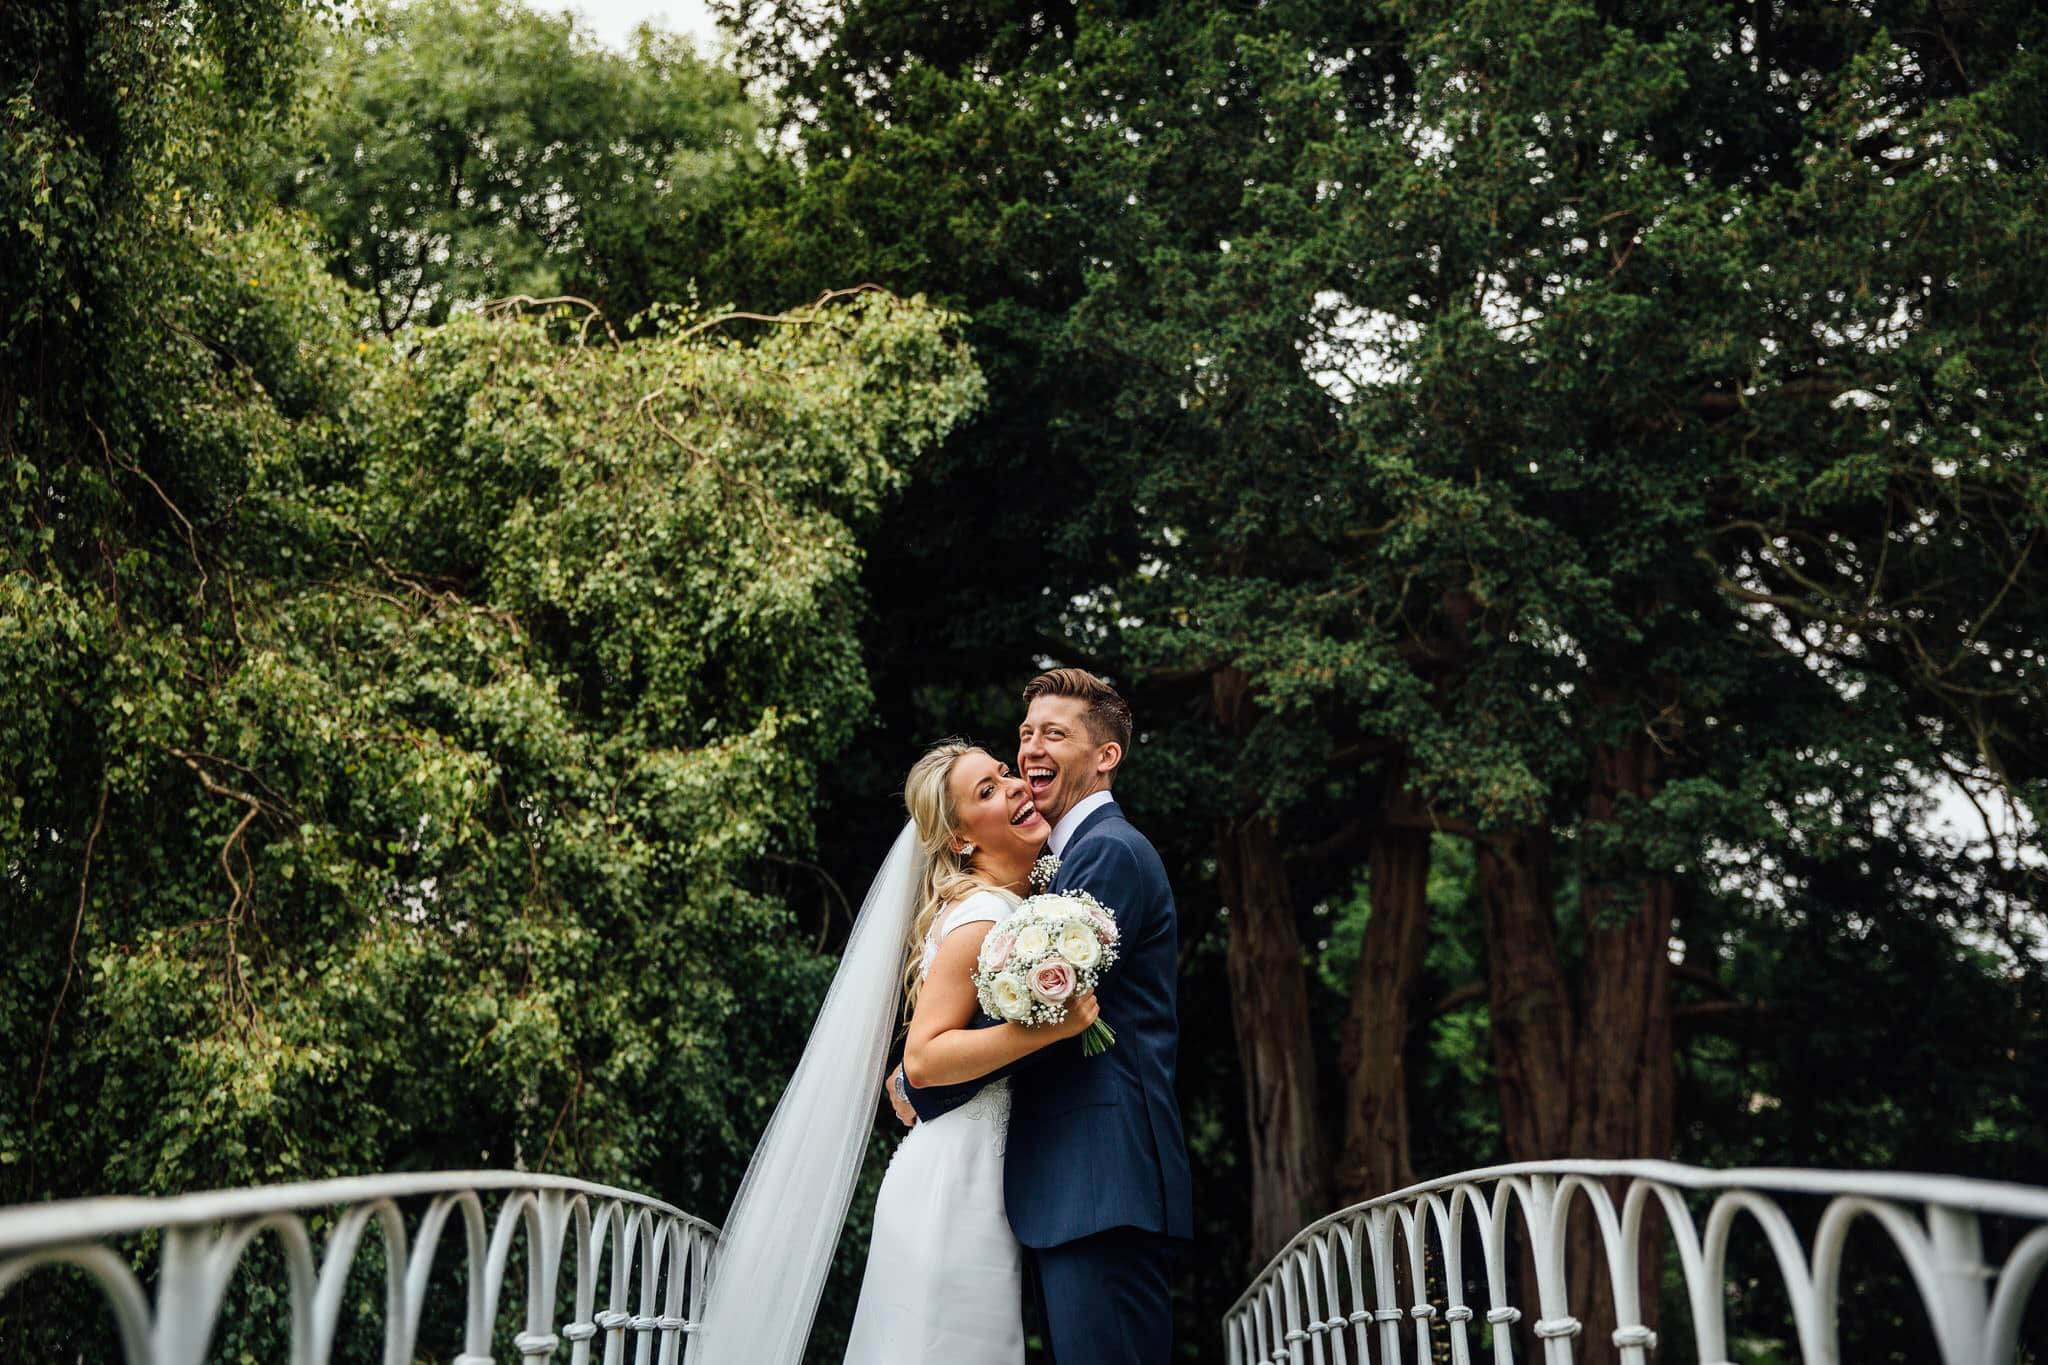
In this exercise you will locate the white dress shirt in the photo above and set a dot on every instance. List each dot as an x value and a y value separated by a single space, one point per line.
1071 821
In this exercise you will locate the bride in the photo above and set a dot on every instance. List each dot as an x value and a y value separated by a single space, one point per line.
944 1273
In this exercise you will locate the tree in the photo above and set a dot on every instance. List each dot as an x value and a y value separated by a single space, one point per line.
1432 348
462 150
396 730
1548 613
1549 546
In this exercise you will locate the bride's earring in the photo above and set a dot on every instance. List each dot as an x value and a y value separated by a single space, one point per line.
966 852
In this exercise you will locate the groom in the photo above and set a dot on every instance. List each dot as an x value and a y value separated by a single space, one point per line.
1096 1173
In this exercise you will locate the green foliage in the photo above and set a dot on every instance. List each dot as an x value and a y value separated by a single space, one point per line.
1502 584
1500 390
404 854
402 739
430 730
458 150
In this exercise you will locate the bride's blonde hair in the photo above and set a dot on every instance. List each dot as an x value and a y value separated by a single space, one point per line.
928 796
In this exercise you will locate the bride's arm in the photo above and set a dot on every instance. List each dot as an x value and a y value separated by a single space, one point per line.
942 1049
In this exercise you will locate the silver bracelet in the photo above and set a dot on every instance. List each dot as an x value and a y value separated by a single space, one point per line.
902 1083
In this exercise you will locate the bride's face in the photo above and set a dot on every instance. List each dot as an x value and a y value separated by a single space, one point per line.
994 809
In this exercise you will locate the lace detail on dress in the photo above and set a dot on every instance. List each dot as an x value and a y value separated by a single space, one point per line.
991 1104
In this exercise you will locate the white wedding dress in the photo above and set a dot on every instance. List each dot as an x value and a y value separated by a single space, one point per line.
945 1276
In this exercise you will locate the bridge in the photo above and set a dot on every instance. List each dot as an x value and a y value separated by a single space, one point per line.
1391 1278
1425 1274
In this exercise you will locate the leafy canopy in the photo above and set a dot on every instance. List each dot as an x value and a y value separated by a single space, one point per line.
458 150
403 740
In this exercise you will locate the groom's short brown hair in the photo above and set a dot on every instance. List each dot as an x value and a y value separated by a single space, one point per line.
1108 716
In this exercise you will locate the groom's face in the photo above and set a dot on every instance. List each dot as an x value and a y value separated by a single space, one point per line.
1058 757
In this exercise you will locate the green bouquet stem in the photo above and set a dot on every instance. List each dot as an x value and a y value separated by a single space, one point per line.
1097 1039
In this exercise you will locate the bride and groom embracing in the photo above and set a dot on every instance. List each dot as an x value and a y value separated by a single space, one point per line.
1023 1149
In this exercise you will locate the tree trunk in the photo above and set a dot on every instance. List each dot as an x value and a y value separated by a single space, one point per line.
1623 1099
1528 1003
1624 1045
1375 1157
1595 1080
1530 1014
1269 1011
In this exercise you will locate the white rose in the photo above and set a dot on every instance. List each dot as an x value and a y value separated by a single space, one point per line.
1010 996
1032 941
1079 946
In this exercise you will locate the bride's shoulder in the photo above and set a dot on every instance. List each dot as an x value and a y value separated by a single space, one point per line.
986 904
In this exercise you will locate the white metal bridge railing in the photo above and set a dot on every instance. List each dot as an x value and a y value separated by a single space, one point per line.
640 1264
1343 1291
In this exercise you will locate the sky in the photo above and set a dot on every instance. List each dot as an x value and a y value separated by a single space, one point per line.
615 20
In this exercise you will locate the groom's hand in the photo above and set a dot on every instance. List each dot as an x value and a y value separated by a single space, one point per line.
896 1100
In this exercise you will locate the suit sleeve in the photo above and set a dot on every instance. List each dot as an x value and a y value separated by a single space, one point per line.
933 1100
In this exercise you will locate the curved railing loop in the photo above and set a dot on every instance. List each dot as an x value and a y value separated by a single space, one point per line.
204 1238
1293 1311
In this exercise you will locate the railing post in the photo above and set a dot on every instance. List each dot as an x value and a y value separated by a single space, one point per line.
1935 1222
1961 1305
205 1238
185 1305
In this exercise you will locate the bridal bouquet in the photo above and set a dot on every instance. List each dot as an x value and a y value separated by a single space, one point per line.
1049 950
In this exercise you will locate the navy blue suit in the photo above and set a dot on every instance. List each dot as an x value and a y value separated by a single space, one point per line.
1096 1176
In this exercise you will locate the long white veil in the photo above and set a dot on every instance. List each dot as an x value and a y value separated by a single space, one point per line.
776 1246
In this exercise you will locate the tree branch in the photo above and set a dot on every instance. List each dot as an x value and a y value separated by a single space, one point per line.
64 990
191 540
1700 976
1459 998
1706 1013
592 314
789 318
241 893
829 883
1345 836
1724 403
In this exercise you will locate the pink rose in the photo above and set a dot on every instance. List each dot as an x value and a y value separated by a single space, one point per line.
1105 926
999 951
1052 981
